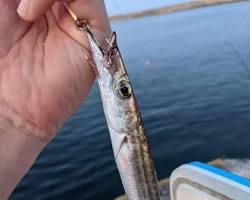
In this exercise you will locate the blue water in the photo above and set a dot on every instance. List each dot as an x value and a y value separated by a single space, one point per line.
190 75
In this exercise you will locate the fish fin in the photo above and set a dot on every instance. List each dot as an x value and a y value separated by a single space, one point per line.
124 140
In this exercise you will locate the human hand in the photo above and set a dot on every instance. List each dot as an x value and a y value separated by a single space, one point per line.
44 76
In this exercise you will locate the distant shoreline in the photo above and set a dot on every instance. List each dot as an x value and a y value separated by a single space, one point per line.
173 8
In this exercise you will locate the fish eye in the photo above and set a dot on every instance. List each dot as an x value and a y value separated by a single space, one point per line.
124 89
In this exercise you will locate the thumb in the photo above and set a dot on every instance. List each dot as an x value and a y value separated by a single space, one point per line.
30 10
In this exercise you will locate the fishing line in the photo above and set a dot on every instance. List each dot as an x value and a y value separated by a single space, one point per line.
236 53
115 3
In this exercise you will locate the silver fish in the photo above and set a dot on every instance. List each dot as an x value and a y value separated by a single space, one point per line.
132 153
129 142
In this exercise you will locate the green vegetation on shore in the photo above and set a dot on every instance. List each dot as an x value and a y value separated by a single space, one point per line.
173 8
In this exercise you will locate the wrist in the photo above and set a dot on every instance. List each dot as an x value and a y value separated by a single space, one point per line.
18 149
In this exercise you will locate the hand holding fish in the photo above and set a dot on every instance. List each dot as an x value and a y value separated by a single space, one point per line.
44 76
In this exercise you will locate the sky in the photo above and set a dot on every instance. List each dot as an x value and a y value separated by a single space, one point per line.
116 7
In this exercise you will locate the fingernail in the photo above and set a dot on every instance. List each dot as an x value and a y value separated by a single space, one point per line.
23 8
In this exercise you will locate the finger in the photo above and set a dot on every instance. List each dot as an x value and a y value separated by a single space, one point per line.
92 11
30 10
12 27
